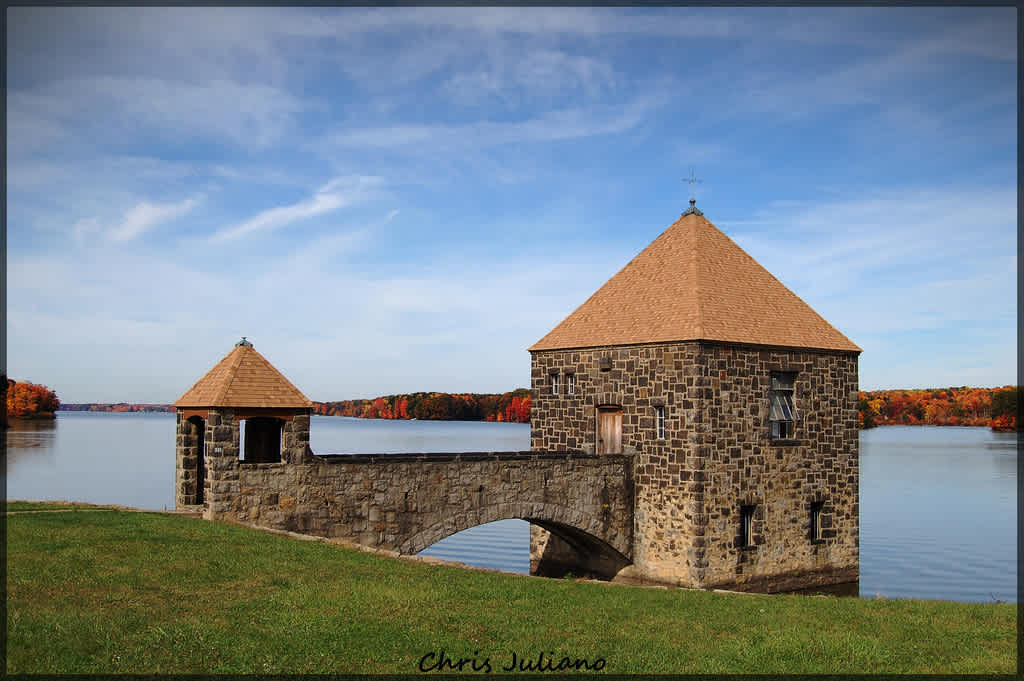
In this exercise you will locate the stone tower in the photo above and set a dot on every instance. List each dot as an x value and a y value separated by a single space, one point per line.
737 403
243 388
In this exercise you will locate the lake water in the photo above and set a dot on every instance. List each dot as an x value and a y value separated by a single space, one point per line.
938 505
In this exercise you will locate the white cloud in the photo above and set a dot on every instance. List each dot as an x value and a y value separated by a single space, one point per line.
146 215
336 194
248 114
552 126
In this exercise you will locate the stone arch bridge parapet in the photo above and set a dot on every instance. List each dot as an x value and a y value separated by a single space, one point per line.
406 502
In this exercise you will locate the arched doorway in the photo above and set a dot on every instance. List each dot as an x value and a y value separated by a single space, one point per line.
198 432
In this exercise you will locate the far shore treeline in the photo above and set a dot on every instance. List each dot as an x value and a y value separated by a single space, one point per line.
511 406
992 407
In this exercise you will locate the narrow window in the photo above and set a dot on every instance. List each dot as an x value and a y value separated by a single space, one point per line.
554 384
570 384
746 526
782 410
815 532
659 422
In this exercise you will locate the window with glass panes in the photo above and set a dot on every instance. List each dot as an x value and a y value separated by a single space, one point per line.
782 414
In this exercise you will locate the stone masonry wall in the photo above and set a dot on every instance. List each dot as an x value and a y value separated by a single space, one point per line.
636 378
744 466
406 502
717 456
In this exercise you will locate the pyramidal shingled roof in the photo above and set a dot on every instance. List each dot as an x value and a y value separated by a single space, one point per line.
694 283
244 378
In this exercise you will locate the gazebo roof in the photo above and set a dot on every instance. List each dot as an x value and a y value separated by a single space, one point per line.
244 378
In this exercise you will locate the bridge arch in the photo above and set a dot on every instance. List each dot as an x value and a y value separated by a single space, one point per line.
589 536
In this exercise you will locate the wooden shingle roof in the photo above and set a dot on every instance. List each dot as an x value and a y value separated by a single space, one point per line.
694 283
244 378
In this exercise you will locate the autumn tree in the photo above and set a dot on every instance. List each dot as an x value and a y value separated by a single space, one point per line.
28 400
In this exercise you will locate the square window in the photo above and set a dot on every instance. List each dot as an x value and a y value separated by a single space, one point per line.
659 422
782 414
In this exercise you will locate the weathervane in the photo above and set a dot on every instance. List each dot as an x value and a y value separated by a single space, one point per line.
693 201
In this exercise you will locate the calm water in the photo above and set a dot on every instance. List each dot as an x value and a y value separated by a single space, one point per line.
938 505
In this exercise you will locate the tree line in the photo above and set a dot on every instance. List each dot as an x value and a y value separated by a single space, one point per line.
512 406
27 400
114 407
963 406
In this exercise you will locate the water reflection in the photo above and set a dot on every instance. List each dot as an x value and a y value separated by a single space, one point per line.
30 439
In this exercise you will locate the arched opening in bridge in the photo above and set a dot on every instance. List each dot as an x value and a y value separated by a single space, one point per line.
511 545
500 545
259 440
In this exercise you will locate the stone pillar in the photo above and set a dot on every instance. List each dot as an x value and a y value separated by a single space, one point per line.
222 487
295 438
185 468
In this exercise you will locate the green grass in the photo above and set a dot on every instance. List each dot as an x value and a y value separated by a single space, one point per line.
147 592
22 506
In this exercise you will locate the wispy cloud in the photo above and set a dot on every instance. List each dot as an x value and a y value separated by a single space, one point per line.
146 215
552 126
336 194
248 114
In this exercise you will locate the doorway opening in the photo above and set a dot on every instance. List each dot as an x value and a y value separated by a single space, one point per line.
199 438
609 429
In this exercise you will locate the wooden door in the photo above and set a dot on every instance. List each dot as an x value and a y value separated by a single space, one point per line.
609 430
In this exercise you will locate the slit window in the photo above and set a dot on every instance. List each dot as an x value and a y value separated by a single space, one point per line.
747 526
659 422
570 384
815 532
782 414
554 384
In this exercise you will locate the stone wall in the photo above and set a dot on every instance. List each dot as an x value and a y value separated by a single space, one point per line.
406 502
717 455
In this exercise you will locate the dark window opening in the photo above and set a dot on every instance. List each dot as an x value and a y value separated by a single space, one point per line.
782 414
815 531
747 526
261 440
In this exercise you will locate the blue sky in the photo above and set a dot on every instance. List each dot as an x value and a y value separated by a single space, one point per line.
395 200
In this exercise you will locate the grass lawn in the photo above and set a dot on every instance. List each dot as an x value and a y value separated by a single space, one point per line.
117 591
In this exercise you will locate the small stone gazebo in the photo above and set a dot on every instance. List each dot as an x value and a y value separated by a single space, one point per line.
211 439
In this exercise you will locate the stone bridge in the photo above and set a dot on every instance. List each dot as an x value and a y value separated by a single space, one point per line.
406 502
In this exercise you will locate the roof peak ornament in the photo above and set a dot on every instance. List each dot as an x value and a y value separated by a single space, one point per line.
693 210
693 201
243 343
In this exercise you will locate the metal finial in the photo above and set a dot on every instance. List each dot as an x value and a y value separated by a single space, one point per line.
243 343
692 180
693 201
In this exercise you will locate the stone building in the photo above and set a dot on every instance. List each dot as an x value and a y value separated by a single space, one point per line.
242 410
737 403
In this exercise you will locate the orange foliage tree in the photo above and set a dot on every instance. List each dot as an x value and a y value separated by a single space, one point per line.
511 406
961 406
27 400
